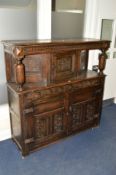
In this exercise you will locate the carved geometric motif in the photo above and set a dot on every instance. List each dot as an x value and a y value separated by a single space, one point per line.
33 64
49 125
64 64
76 114
83 112
40 128
58 122
90 110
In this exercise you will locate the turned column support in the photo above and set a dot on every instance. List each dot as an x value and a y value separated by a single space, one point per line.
19 68
20 74
102 61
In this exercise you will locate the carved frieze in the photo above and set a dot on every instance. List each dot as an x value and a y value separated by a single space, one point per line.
52 46
56 91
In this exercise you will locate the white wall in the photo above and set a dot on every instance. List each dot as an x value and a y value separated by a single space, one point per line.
67 25
97 10
70 4
108 11
15 23
44 19
10 3
18 22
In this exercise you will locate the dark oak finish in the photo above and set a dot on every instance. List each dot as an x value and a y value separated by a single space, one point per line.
51 92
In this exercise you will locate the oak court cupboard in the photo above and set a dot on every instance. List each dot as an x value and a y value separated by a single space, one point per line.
51 92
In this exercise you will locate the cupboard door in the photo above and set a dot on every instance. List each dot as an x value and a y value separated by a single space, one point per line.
63 66
46 128
46 120
85 109
49 126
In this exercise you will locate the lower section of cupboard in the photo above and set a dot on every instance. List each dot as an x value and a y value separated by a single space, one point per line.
36 145
41 117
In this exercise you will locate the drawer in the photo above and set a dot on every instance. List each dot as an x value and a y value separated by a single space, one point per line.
43 94
85 94
48 104
41 101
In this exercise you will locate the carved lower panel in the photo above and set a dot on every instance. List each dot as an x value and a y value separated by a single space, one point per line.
90 110
40 128
76 114
58 122
83 112
49 125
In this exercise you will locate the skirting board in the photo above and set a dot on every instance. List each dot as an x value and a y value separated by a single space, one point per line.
5 132
4 135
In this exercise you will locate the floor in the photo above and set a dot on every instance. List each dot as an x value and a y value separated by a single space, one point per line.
92 152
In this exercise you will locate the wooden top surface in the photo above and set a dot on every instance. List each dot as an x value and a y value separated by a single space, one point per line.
25 43
21 48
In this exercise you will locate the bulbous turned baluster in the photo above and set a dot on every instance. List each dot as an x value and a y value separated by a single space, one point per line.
20 74
102 61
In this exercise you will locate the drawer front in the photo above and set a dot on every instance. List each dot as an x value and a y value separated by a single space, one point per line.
85 93
48 104
40 101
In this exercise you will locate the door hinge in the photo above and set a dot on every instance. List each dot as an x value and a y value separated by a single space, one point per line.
30 140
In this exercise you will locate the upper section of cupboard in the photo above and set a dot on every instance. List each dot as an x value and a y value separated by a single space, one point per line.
45 62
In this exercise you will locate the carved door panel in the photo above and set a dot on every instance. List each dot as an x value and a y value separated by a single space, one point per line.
84 110
46 120
63 66
44 128
49 126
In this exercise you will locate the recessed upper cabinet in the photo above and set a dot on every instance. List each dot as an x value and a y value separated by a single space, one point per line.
72 6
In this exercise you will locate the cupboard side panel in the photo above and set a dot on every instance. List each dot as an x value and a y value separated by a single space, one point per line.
15 118
10 67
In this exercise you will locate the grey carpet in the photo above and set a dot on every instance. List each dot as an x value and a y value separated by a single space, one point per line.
92 152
